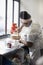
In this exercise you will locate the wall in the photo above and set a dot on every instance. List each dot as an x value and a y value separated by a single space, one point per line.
35 8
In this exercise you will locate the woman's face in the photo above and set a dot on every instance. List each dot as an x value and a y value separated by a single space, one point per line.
27 21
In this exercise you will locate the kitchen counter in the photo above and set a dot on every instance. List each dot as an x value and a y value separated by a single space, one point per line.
8 52
4 49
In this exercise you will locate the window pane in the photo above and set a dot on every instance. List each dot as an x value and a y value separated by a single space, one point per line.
9 15
2 17
16 12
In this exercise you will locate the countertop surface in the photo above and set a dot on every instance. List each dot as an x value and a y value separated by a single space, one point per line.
3 45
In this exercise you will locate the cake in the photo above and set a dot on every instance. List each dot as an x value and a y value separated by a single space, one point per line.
15 36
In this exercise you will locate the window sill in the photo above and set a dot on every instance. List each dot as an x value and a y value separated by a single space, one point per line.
4 36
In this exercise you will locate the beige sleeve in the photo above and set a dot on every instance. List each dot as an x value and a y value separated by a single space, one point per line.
35 34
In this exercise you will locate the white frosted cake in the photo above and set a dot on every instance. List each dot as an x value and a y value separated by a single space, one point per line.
15 36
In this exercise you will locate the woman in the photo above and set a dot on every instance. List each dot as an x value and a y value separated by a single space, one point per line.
29 35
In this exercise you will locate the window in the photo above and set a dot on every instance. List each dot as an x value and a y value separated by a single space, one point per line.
12 13
2 17
9 13
16 12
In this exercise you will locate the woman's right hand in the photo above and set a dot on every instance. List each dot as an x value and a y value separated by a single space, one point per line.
19 28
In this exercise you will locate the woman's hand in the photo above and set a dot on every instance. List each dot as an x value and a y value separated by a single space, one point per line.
22 41
29 44
19 29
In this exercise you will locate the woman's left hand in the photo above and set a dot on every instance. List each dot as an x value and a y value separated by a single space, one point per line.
20 41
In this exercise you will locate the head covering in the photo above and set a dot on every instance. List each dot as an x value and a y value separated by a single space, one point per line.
25 15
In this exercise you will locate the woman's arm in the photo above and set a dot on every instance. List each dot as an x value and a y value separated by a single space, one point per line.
29 44
20 28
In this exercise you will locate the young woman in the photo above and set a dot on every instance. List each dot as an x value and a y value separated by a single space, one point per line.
30 35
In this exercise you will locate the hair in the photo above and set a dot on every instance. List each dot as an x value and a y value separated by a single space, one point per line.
25 15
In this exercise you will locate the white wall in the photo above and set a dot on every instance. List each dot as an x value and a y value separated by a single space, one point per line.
35 8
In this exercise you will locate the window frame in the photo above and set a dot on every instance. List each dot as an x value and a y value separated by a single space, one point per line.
6 17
